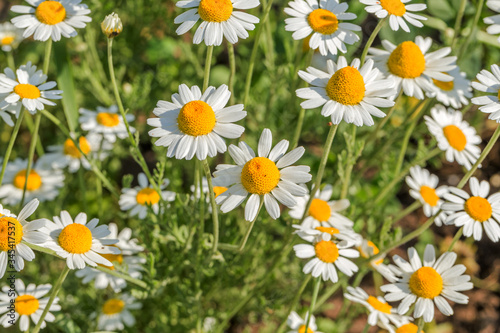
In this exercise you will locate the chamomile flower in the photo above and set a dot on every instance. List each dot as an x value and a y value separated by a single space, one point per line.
115 313
51 18
474 212
423 187
298 325
218 190
270 177
10 36
453 93
368 249
489 82
12 251
399 12
327 256
27 87
321 20
107 122
408 328
140 198
220 19
494 28
27 302
79 242
42 183
428 284
346 92
412 67
112 25
194 123
454 136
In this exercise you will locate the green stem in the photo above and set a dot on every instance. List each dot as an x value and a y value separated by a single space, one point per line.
420 324
215 213
31 127
371 39
458 22
298 129
10 61
232 68
208 65
46 59
349 166
473 29
317 284
295 300
408 210
12 140
31 154
83 189
384 121
250 227
456 238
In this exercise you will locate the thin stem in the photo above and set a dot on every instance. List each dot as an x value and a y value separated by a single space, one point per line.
208 65
295 300
458 22
349 166
317 284
420 324
479 10
250 227
232 68
371 39
384 121
12 140
46 59
456 238
31 154
83 189
10 61
408 210
215 213
298 129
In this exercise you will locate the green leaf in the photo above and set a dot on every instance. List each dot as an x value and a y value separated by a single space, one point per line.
65 82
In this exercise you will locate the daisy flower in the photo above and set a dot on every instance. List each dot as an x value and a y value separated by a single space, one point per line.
476 211
454 136
368 249
112 25
321 20
220 19
12 251
453 93
218 190
269 177
27 303
408 328
127 261
51 18
10 37
494 20
27 87
399 12
346 92
79 242
423 187
428 284
115 313
140 198
412 67
298 325
107 122
194 124
489 82
42 183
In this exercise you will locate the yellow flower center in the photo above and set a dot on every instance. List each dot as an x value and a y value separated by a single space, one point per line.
455 136
408 328
407 61
426 283
498 94
478 208
108 119
75 238
446 86
323 21
71 150
329 230
393 7
429 195
11 233
218 190
320 210
147 196
112 258
28 91
378 305
113 306
302 329
326 251
215 10
26 305
7 40
375 251
346 86
260 175
34 180
196 118
50 12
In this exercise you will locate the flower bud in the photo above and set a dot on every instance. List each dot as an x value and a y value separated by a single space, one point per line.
112 25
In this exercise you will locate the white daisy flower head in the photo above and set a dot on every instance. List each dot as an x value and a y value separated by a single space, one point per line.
489 82
219 20
454 136
107 122
368 249
193 124
298 325
408 328
79 242
475 212
322 21
494 28
112 25
10 36
42 183
25 303
27 87
424 187
218 190
115 313
269 176
412 67
139 199
350 93
455 93
51 18
399 12
428 283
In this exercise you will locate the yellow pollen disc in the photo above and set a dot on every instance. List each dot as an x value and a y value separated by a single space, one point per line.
260 175
7 40
328 230
26 305
326 251
108 119
75 238
34 180
323 21
16 233
429 195
378 305
393 7
71 150
50 12
196 118
446 86
455 136
215 10
113 306
426 283
407 61
346 86
302 329
478 208
28 91
320 210
375 251
218 190
408 328
147 196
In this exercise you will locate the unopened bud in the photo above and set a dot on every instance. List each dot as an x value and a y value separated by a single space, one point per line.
112 25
